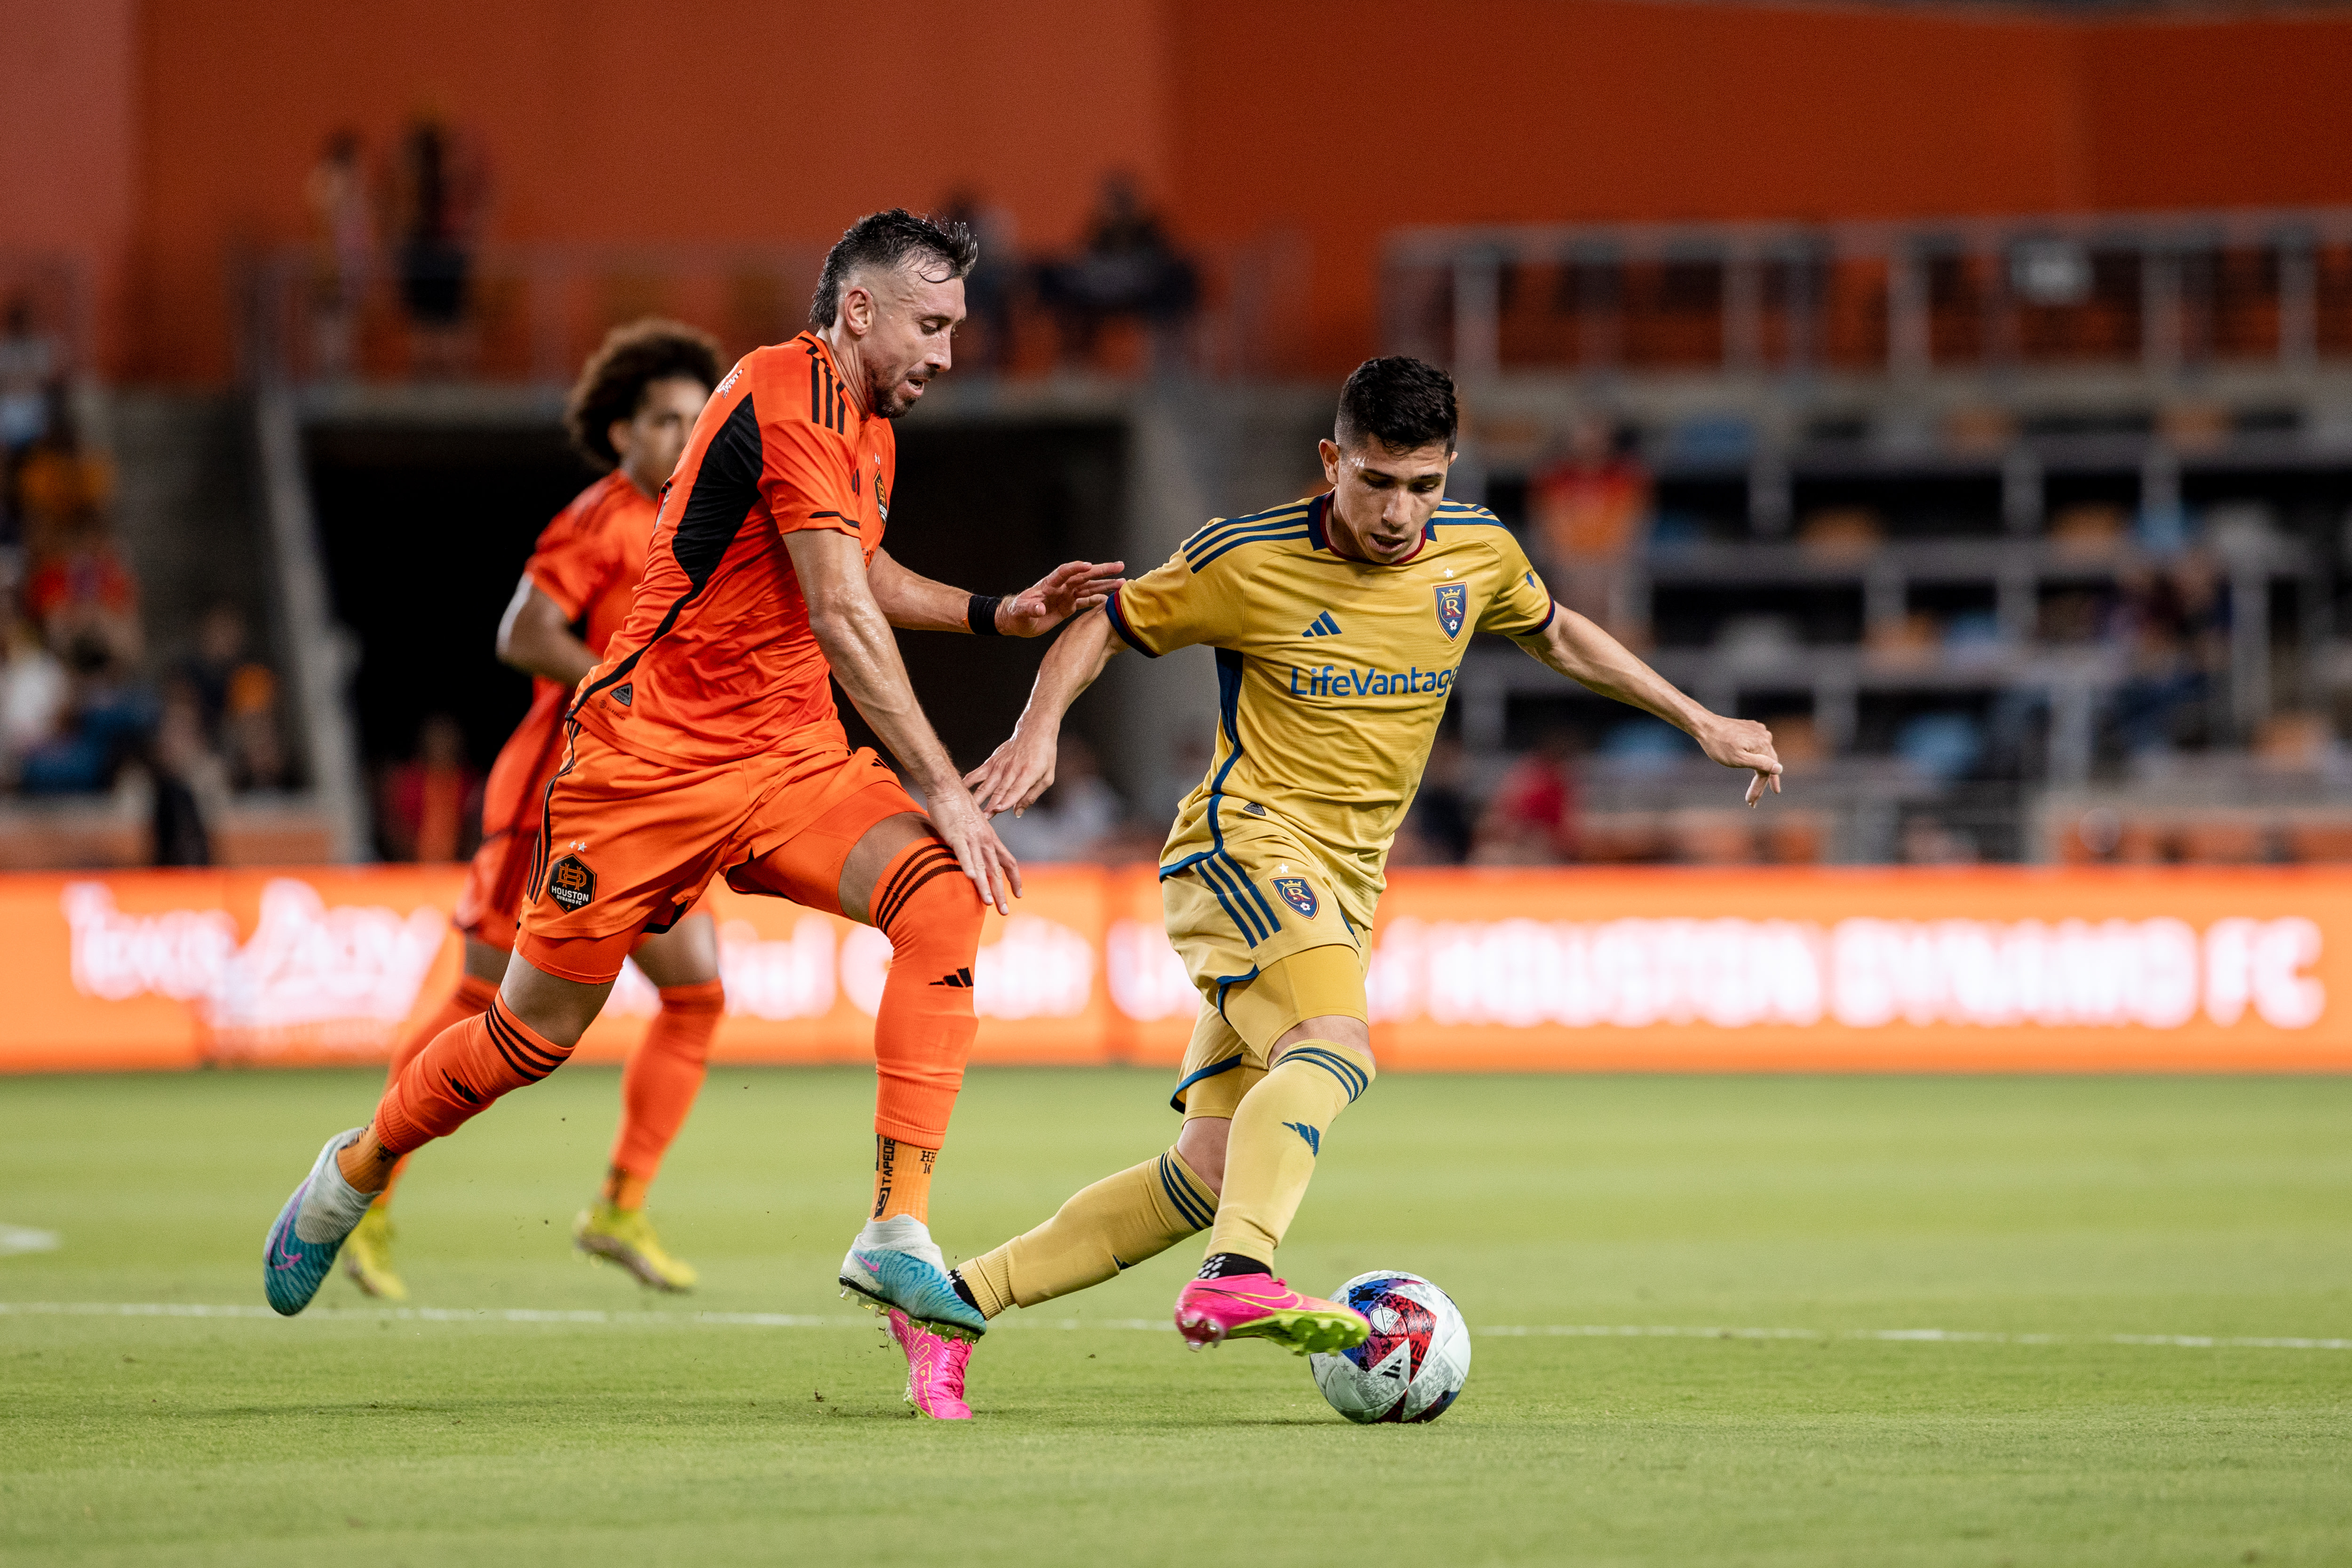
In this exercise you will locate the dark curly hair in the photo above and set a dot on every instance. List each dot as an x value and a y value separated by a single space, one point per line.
1401 403
613 382
886 239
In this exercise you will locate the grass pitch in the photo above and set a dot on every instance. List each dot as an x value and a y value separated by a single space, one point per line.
2048 1216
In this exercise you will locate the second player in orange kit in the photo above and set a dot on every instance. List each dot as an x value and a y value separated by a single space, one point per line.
707 744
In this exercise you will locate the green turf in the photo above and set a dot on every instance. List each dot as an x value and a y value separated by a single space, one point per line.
2074 1208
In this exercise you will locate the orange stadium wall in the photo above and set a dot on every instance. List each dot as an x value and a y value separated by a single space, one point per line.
156 138
1881 971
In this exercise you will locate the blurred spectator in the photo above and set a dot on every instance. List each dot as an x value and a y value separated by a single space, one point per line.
1439 829
428 802
437 186
80 592
1532 821
108 717
1592 510
35 694
28 370
1071 818
236 700
987 290
58 479
2172 624
1129 268
190 782
343 235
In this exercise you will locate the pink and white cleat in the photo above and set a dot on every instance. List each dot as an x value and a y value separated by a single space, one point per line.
935 1366
1260 1307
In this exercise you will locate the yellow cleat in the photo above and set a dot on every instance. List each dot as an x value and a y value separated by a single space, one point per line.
367 1257
627 1237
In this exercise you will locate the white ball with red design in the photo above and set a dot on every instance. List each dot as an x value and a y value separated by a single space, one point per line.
1415 1362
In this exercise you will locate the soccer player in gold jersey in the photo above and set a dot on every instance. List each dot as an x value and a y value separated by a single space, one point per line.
1339 624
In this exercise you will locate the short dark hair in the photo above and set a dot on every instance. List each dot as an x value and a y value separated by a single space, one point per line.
1399 402
631 358
887 240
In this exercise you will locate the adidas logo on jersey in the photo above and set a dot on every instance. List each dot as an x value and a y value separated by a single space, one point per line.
960 981
1324 627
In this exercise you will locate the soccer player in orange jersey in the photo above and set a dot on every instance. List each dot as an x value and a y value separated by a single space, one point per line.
707 745
630 414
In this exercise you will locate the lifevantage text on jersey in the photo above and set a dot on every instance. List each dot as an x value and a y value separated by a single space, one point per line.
1330 681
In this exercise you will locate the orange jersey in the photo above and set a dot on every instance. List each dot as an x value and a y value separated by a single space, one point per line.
588 560
717 661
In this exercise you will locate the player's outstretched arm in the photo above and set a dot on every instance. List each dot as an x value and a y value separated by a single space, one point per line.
858 645
1019 771
535 636
916 603
1591 657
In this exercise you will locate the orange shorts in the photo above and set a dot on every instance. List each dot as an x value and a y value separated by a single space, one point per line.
631 844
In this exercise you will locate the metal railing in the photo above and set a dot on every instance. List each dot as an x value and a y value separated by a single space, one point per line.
529 315
2158 291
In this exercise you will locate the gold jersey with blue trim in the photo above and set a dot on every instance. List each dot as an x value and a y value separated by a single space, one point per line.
1332 673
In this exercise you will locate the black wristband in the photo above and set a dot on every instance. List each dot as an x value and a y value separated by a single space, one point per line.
982 615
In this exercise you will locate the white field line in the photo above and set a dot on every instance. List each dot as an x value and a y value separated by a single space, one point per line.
20 1239
862 1320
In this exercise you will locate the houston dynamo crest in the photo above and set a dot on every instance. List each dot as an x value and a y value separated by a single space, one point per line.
1452 605
1296 893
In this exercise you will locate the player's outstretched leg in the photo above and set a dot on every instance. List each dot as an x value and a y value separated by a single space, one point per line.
1278 1132
367 1253
457 1076
922 1032
658 1085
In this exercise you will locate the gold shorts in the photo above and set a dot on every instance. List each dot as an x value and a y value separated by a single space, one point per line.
1262 935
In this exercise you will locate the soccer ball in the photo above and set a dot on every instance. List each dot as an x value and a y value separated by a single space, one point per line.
1415 1362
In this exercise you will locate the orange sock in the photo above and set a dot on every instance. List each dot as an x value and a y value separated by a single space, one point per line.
472 997
456 1077
659 1085
902 1179
923 1029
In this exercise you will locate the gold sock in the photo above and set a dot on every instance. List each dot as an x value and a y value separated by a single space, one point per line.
902 1178
1278 1131
1115 1223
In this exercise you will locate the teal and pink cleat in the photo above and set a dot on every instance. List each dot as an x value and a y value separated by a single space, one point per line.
935 1366
299 1251
1260 1307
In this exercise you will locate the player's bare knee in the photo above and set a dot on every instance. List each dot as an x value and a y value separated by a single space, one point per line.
924 900
556 1009
1201 1146
1339 1029
873 857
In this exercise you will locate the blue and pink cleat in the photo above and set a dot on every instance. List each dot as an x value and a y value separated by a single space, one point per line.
894 1263
300 1251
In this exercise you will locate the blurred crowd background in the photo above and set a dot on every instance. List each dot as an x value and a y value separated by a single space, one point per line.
1966 393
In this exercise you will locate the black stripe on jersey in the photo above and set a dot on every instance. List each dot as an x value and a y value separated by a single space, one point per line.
726 486
817 385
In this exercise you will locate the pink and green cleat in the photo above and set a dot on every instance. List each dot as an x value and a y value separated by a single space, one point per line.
935 1365
1260 1307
